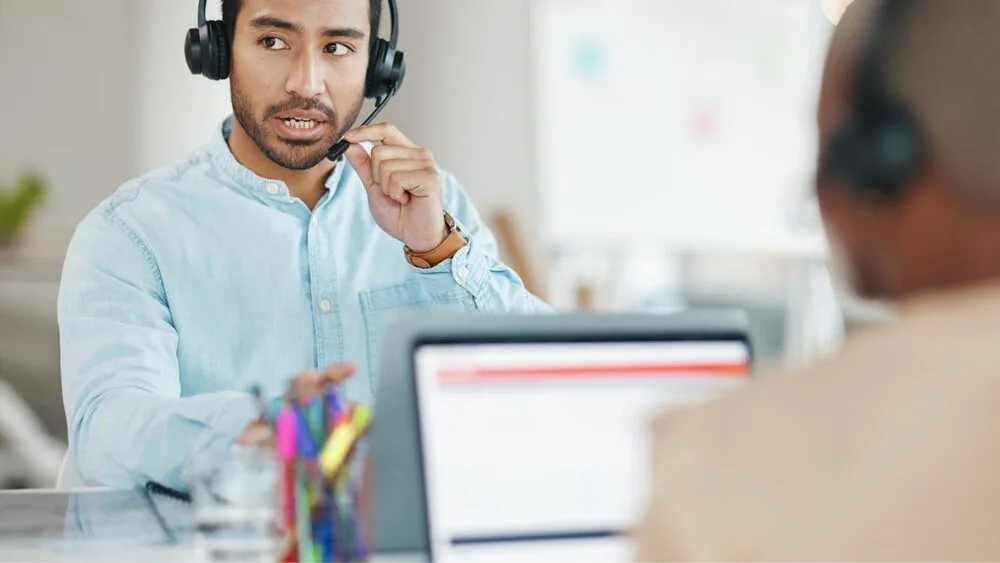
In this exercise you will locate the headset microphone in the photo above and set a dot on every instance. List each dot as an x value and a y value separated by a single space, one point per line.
341 146
206 49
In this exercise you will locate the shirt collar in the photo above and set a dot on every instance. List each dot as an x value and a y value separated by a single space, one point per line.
222 156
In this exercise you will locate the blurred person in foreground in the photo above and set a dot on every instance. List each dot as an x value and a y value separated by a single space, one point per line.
257 257
890 450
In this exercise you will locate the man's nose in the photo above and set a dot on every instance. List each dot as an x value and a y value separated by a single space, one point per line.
306 79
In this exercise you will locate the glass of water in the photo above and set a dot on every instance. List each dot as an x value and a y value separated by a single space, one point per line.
236 506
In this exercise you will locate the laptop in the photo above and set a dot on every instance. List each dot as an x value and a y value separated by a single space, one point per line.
500 438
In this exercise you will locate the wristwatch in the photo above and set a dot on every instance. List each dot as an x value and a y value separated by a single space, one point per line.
452 243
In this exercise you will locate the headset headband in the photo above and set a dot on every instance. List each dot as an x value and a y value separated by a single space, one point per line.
870 86
878 149
394 22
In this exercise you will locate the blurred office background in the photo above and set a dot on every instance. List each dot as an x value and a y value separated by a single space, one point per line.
631 154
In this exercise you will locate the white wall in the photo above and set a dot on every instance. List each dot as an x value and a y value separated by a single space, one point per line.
66 105
91 112
477 119
177 111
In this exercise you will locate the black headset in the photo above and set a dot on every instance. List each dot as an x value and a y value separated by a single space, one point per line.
206 49
877 151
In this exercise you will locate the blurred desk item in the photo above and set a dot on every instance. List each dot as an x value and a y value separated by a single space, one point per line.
32 419
815 323
586 299
40 454
515 252
797 312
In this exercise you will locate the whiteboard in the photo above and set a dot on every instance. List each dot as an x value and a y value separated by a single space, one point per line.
681 123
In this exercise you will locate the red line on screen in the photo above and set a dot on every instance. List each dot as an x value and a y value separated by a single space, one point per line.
615 370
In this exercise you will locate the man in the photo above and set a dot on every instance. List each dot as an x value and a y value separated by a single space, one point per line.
257 257
889 451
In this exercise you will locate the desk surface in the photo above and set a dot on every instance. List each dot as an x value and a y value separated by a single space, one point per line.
95 525
100 525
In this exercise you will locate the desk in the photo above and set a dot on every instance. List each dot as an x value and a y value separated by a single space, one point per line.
86 525
100 525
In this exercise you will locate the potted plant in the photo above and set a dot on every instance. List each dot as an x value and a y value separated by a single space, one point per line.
18 204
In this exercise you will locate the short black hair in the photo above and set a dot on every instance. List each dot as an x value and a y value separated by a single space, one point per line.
230 8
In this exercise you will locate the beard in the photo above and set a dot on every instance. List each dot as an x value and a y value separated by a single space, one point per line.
294 155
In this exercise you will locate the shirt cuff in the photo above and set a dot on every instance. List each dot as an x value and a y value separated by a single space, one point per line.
467 271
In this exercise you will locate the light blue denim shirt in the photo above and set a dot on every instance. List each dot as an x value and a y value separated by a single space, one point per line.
194 282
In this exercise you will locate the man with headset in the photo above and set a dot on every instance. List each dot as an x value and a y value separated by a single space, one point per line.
889 451
264 253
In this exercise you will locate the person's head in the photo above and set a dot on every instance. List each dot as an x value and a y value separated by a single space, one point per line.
297 75
943 230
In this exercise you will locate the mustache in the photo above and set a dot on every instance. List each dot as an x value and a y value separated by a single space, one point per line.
304 104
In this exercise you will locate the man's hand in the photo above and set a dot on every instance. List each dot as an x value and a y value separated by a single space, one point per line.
403 183
307 384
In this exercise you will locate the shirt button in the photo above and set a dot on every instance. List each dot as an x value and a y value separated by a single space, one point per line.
325 305
463 272
272 188
313 221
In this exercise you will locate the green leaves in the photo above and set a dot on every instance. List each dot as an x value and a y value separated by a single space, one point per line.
18 203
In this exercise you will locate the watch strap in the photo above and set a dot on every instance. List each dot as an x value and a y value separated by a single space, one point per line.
454 242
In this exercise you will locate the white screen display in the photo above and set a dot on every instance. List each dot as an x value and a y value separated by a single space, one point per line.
539 451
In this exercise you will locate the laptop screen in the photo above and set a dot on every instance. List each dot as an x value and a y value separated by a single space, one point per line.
538 451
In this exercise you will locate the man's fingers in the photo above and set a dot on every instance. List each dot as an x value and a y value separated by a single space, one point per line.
411 182
390 178
362 164
305 383
257 433
311 383
338 373
395 193
385 133
382 154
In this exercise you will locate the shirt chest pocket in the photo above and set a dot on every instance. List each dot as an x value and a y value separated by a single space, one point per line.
380 308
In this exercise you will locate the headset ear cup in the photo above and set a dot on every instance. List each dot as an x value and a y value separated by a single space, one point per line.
842 161
192 51
876 158
375 79
217 66
398 71
897 145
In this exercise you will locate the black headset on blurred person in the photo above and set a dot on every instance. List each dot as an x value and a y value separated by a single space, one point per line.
877 151
206 49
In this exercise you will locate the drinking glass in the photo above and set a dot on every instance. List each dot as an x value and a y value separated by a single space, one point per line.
236 506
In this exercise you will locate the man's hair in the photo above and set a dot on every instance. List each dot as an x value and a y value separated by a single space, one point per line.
853 34
944 67
230 8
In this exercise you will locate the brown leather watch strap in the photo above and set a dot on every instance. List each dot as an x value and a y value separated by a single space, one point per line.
451 244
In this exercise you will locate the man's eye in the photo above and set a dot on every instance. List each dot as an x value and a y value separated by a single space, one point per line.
273 43
338 49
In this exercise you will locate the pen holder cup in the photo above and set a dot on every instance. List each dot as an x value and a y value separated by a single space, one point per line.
255 506
323 519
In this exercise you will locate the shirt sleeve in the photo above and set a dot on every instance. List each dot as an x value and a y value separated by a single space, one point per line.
476 268
127 421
